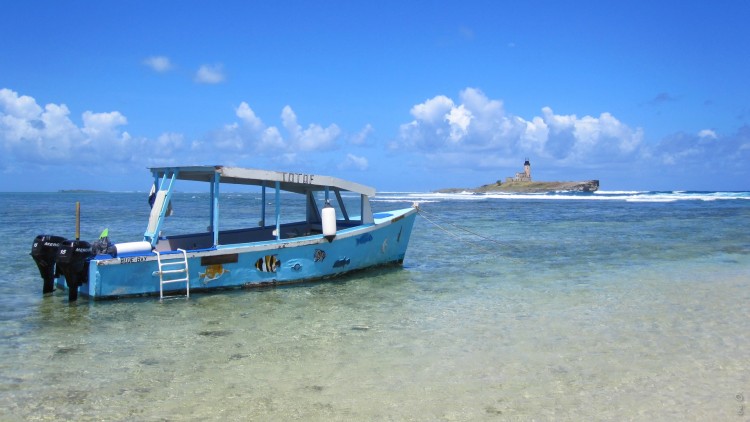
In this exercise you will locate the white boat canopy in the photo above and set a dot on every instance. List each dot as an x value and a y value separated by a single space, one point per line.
290 182
300 183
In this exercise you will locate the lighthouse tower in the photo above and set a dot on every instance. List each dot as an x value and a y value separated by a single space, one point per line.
524 176
527 169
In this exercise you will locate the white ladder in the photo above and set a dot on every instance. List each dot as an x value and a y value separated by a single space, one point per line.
177 271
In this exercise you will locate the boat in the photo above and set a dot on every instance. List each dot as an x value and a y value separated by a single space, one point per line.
335 233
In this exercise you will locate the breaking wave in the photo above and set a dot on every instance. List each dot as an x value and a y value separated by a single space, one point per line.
628 196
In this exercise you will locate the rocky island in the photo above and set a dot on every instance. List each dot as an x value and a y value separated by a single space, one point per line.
522 183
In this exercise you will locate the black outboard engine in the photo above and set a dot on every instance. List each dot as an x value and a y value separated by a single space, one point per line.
73 262
44 251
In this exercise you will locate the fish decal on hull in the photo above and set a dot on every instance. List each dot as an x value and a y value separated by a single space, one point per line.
268 264
361 240
320 255
341 263
212 273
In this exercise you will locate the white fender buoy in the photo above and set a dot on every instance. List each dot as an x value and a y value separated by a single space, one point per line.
328 215
133 247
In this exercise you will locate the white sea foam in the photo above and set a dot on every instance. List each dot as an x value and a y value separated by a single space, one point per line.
628 196
620 192
390 201
425 196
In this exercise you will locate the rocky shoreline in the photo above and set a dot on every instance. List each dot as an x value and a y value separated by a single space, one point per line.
530 187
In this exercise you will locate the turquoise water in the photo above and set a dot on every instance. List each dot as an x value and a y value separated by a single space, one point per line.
606 306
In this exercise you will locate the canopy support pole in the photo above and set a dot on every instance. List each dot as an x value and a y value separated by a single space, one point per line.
278 210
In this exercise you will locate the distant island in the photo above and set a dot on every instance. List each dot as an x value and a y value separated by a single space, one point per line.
79 191
522 183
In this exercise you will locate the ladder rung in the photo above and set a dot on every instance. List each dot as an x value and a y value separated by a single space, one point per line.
173 271
175 281
172 260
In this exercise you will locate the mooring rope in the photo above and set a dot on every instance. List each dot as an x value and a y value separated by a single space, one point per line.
431 219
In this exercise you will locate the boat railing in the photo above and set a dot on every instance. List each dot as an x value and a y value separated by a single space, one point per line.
197 241
187 242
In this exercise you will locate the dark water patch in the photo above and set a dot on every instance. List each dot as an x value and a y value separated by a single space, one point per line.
360 328
76 397
214 333
491 410
10 383
737 249
240 356
67 350
141 391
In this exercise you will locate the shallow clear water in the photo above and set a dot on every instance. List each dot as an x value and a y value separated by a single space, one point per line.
622 306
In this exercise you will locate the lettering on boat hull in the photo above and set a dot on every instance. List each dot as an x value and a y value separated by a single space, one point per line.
298 178
132 259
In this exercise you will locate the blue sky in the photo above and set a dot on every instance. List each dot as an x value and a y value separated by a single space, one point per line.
398 95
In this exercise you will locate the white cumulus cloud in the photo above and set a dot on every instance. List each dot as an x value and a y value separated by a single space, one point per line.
288 143
159 64
354 162
478 129
432 111
102 125
32 134
29 132
21 107
247 115
472 132
707 133
459 119
313 138
360 138
210 74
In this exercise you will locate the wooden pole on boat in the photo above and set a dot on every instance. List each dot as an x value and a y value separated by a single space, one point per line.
78 220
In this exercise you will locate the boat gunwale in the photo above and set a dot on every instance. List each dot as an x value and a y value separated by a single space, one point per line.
247 247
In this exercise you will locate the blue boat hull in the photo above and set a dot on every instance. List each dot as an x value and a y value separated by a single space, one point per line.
260 263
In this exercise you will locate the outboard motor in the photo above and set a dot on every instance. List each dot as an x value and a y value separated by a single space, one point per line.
73 262
44 251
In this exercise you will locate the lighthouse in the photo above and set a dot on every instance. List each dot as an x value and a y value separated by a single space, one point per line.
524 176
527 169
